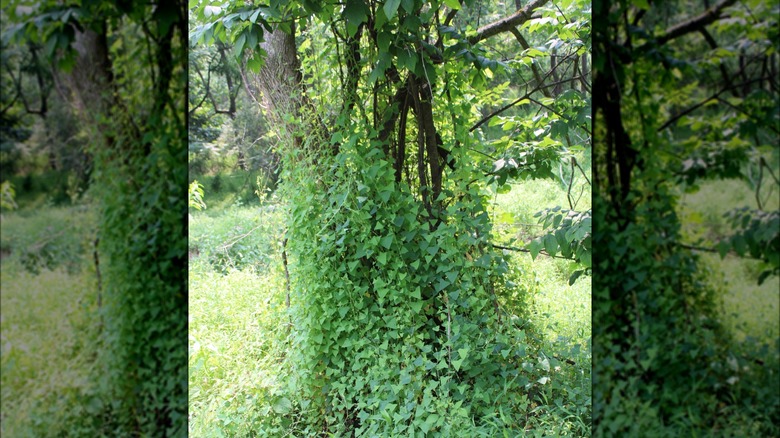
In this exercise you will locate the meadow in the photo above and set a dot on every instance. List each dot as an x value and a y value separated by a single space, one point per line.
49 321
750 310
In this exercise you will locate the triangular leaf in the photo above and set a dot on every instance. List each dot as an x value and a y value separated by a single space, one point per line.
391 8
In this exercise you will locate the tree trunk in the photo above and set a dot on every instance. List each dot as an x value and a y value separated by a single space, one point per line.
142 196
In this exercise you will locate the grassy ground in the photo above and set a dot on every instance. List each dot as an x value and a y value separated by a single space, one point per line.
749 309
226 189
47 320
237 316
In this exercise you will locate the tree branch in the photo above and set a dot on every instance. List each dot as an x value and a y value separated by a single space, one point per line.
694 24
713 250
516 101
505 24
715 96
714 45
534 68
513 248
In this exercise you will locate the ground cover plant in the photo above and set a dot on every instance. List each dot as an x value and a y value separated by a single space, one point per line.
404 314
239 335
687 111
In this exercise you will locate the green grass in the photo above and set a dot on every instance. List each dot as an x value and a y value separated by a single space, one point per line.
228 189
237 334
749 310
566 309
48 324
561 311
238 320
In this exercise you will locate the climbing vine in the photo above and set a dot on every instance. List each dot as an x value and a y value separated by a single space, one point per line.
677 99
137 131
389 148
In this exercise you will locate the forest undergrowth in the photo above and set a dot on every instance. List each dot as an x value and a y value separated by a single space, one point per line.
238 319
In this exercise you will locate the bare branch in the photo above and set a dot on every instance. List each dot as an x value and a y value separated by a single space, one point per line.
712 250
513 248
534 67
715 96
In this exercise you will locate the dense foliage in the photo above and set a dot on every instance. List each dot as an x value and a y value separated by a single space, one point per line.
394 119
121 68
683 92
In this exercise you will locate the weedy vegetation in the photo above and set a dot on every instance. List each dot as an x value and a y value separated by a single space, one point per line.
240 332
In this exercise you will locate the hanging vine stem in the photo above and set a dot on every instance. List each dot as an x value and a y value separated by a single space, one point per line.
287 279
449 329
758 184
96 258
571 183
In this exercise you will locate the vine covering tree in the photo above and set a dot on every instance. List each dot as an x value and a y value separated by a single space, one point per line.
121 65
684 92
388 141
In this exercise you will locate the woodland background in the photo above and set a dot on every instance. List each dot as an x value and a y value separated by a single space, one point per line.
389 225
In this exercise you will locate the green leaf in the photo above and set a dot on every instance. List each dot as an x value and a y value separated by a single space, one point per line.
253 17
575 275
255 63
356 13
763 276
239 45
387 241
723 248
454 4
211 11
381 67
550 244
535 246
383 40
407 59
585 259
282 406
740 245
457 363
391 8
